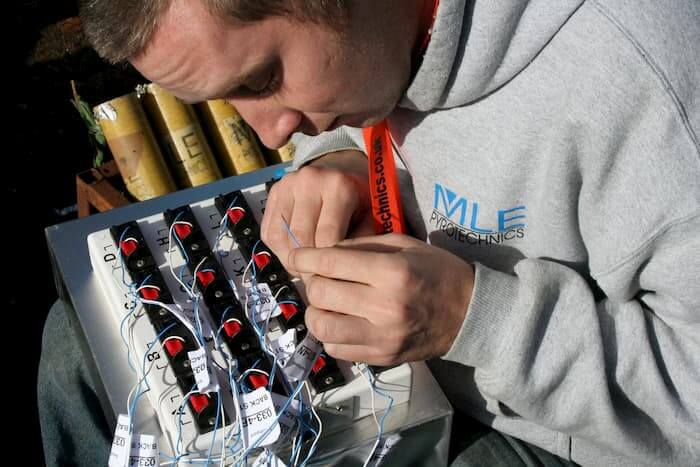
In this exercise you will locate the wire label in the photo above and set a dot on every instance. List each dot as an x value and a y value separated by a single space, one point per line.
303 358
268 459
119 455
261 301
288 418
284 346
258 418
144 451
206 381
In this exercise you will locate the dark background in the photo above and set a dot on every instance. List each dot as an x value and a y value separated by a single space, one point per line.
49 146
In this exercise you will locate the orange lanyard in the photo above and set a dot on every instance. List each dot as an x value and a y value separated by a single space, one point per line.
383 180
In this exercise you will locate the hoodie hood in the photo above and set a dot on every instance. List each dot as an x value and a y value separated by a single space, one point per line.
478 46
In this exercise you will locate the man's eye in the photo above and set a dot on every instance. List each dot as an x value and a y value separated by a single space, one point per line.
265 88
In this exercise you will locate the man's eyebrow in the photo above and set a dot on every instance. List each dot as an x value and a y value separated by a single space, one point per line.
231 87
240 81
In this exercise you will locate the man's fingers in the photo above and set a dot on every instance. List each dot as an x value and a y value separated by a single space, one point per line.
363 229
331 327
334 220
272 229
340 263
303 220
349 298
358 353
386 242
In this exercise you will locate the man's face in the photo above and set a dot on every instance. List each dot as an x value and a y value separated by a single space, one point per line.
282 75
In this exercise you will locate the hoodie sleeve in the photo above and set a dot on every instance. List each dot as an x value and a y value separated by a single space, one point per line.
617 373
618 369
309 148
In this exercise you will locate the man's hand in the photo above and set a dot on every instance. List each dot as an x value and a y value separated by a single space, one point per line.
323 203
386 299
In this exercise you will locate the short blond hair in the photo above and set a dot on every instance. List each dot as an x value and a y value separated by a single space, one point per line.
119 29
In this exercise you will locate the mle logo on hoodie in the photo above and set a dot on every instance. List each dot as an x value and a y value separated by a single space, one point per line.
461 219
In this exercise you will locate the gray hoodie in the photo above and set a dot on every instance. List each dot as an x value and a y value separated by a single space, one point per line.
555 145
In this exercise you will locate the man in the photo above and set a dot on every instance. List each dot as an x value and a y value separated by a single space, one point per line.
550 160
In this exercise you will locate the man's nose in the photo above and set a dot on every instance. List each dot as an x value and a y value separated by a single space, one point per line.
273 123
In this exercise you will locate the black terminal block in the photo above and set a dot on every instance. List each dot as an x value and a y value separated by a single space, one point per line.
239 335
189 236
325 374
133 250
240 220
216 291
204 407
177 341
292 309
261 378
246 232
140 264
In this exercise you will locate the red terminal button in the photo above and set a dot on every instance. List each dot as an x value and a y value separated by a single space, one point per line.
150 293
174 345
258 380
235 214
262 259
183 230
199 402
318 366
288 310
128 246
205 278
232 327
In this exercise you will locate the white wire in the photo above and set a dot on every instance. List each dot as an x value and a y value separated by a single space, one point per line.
180 409
245 271
194 275
320 423
236 404
226 439
131 323
183 319
374 415
138 384
295 443
269 315
223 426
132 350
171 247
220 234
217 344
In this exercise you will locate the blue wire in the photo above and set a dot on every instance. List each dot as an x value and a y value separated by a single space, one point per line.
232 386
387 410
179 423
224 225
135 299
311 452
303 428
198 322
121 333
216 425
291 234
182 247
255 246
132 294
262 437
139 393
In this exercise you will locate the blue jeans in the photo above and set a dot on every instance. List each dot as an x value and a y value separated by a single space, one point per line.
75 432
